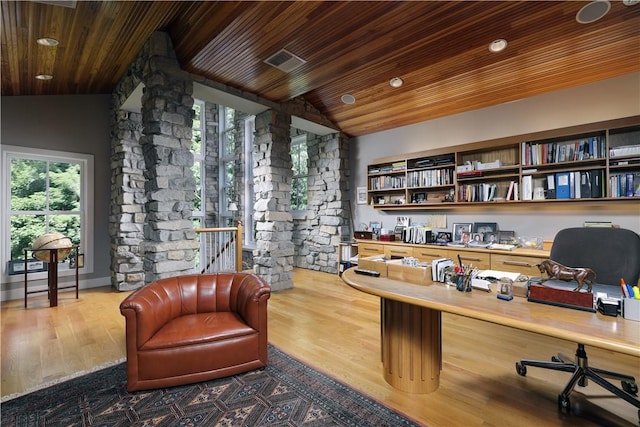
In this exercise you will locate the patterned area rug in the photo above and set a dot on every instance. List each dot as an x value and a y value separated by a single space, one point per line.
285 393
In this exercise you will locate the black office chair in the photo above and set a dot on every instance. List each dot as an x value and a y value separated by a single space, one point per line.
613 253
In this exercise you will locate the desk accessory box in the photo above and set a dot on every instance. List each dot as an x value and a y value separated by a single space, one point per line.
631 309
363 235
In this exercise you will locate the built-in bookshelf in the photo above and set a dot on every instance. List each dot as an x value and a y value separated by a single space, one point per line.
594 162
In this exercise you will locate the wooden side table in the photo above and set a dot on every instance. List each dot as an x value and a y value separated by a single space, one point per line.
52 275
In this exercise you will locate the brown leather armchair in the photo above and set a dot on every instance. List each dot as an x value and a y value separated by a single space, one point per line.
194 328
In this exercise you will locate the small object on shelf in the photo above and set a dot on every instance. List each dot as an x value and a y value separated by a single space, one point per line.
367 272
557 271
363 235
505 289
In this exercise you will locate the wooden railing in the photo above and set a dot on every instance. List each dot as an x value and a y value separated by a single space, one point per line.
220 249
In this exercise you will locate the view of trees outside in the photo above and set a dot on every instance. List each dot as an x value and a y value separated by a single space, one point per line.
196 149
299 159
45 198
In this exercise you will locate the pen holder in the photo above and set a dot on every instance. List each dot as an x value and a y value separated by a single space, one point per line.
463 282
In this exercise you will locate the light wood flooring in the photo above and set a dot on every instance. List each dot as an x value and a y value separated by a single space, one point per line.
335 329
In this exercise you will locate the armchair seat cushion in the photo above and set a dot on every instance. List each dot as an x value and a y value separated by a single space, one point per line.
198 329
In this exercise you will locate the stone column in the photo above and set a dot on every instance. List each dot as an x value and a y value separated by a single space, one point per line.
273 257
328 203
167 102
127 216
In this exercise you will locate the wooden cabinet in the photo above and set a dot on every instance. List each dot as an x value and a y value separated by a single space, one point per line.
395 251
367 249
429 253
520 260
598 162
476 258
517 263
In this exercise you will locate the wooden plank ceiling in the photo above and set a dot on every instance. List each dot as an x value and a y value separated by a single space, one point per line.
439 49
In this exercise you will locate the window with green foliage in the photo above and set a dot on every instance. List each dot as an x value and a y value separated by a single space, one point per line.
45 192
197 148
229 165
299 160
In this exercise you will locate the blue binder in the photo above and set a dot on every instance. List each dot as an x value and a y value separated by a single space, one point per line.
563 185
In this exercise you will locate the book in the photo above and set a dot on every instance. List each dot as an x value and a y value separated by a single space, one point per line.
596 183
585 184
562 185
527 187
551 187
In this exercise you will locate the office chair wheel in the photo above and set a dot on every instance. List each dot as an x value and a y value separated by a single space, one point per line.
564 404
521 369
630 387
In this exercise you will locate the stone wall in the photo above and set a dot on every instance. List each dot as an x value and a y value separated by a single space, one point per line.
152 183
153 187
273 256
326 222
128 198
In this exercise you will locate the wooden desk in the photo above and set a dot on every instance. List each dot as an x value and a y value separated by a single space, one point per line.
411 327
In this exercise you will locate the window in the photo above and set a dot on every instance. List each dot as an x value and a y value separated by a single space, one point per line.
299 160
249 237
46 191
198 150
228 166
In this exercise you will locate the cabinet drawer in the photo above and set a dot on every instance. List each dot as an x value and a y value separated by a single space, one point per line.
428 254
517 264
397 251
476 259
369 249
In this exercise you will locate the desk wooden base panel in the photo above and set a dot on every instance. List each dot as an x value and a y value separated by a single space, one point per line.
411 346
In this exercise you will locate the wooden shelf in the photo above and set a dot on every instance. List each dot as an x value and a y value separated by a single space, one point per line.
430 180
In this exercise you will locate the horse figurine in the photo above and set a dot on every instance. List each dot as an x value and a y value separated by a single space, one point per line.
557 271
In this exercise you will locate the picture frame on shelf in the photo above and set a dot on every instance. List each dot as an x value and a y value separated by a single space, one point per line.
361 195
16 266
403 221
506 237
485 227
459 230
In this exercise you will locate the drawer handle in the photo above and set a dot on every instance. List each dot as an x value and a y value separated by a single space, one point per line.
393 251
371 249
518 263
428 254
470 259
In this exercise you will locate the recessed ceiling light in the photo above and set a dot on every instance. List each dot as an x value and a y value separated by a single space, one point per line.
44 76
348 99
497 45
593 11
396 82
47 41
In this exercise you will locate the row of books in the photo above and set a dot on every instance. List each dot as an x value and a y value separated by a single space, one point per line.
384 182
625 185
540 153
483 192
430 178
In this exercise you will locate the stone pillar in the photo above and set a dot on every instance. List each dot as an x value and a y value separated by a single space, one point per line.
127 216
273 256
328 202
167 102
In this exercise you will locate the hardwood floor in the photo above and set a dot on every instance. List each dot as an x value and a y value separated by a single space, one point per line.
335 329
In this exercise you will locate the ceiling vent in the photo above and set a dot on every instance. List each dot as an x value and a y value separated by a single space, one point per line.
285 61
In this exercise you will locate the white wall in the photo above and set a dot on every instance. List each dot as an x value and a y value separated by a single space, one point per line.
605 100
